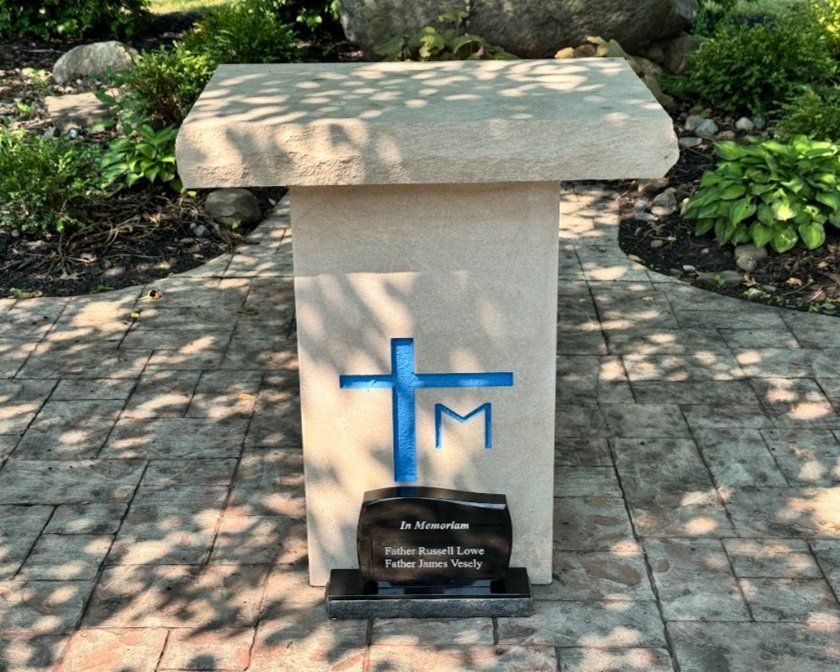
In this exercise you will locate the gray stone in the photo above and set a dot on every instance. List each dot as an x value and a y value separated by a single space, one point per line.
644 217
693 121
744 124
677 53
748 256
93 60
531 28
689 141
665 203
706 130
78 110
231 207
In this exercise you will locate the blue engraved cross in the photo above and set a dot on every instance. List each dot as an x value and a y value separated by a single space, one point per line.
402 381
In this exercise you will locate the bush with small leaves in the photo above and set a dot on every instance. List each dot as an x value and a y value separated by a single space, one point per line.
770 192
46 183
247 31
70 19
758 67
814 112
449 43
162 87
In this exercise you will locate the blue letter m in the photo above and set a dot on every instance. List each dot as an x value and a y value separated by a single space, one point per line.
440 409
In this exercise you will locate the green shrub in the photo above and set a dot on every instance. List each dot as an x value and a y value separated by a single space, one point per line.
45 184
757 67
141 154
67 19
814 112
312 18
449 43
827 13
247 31
770 192
162 87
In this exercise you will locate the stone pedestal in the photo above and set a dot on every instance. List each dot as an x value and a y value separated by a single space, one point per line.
424 212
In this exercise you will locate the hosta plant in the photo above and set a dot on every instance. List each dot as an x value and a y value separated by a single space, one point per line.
141 154
770 193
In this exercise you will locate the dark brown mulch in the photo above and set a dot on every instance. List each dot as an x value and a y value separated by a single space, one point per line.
799 279
137 237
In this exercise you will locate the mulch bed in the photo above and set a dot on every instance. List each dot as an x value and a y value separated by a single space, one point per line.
136 237
139 236
799 279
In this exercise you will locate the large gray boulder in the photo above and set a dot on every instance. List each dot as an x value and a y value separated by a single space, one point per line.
528 28
93 60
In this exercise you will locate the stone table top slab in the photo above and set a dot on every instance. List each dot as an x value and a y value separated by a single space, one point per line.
316 124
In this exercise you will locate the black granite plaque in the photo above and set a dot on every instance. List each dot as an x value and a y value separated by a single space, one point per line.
431 552
431 535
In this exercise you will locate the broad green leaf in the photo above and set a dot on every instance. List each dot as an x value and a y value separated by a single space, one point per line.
760 234
812 234
783 239
733 191
704 226
740 210
729 151
832 200
783 209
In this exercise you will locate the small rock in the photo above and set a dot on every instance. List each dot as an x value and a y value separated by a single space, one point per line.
744 124
585 51
707 129
721 278
644 217
753 293
665 203
677 53
651 185
198 230
656 54
49 133
689 141
73 133
641 205
688 268
567 52
726 135
693 121
684 205
231 207
15 233
656 243
759 121
93 60
748 256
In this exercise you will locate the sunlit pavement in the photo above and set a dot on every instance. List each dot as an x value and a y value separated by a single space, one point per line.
151 493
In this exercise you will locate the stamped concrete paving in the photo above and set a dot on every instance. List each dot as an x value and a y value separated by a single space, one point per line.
151 488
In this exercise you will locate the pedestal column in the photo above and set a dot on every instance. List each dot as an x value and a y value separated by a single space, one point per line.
454 285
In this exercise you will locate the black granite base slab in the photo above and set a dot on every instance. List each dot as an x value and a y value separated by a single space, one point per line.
350 596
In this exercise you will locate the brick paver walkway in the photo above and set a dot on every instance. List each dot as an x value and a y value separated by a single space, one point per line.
151 495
